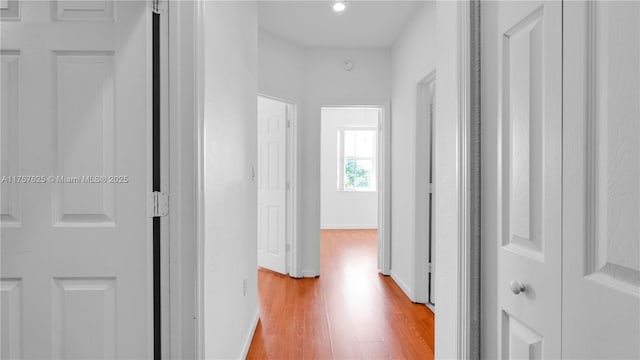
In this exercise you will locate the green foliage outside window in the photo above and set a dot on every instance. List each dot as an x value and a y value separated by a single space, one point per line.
356 176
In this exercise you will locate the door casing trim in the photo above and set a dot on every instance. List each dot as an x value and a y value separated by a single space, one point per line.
421 248
469 251
384 175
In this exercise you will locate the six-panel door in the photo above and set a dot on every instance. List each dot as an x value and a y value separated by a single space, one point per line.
272 182
76 260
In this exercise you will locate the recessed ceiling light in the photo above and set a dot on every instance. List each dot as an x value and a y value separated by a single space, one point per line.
339 6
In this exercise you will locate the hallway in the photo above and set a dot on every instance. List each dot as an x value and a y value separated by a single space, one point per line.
350 312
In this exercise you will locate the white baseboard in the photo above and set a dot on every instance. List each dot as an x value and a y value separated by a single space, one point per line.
406 289
250 334
348 226
431 307
310 273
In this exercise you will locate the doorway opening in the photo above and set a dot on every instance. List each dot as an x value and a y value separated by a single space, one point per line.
276 186
344 249
353 149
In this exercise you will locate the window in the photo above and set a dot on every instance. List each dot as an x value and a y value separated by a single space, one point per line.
357 159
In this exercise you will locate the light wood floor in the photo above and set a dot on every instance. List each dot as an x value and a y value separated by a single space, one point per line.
349 312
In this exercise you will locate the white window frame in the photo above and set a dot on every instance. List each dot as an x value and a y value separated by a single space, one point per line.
342 157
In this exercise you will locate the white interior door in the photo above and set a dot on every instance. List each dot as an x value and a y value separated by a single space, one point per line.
601 170
76 246
272 184
525 40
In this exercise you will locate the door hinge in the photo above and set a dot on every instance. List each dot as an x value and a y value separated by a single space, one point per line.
429 268
288 185
158 204
288 123
158 6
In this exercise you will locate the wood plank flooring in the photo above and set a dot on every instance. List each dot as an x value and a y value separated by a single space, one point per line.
349 312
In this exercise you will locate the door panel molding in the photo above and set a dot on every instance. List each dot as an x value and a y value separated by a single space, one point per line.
520 341
601 180
84 317
11 314
83 10
10 213
522 131
610 259
83 78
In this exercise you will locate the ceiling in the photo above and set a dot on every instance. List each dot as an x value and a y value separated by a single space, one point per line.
314 23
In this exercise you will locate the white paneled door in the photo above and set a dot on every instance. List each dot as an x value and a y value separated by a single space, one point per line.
525 39
272 184
601 218
75 247
567 174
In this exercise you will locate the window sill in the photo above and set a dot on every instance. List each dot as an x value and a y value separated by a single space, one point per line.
356 191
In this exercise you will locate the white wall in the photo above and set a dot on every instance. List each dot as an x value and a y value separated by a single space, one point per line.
281 68
344 209
314 77
429 41
421 48
230 136
413 58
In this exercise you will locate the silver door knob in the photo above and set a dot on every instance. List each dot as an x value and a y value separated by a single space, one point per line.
516 287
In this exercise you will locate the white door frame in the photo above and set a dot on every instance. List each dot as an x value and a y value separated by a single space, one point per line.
458 272
383 168
186 106
199 74
293 255
423 151
384 190
165 179
182 328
